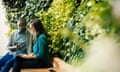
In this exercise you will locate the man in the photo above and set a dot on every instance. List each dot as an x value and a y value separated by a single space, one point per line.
19 43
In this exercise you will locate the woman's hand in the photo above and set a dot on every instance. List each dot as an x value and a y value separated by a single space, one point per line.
29 56
32 54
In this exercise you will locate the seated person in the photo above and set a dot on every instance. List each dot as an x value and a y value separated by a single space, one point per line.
39 57
19 43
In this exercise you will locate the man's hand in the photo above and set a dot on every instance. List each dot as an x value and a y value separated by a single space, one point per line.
18 45
14 47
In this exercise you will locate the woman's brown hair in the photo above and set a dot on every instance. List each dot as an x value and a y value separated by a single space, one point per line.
38 26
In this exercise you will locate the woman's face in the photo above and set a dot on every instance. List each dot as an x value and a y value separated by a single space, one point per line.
32 29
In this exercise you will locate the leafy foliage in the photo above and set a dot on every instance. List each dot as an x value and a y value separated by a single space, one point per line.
24 8
71 24
33 6
55 20
14 9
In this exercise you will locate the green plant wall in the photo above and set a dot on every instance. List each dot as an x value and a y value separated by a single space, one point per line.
71 24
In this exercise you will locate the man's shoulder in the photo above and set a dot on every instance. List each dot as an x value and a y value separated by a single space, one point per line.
28 33
13 32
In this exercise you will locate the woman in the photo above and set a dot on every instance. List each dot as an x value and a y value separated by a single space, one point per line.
39 57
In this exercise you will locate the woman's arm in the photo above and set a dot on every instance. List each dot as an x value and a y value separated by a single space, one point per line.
39 49
29 56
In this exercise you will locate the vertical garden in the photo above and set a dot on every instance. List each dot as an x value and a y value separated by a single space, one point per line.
71 24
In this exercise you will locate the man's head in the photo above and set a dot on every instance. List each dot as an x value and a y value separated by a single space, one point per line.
21 25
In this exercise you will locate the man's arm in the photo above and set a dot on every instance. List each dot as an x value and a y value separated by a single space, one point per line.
11 45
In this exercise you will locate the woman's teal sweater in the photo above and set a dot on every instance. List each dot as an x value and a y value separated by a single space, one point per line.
40 48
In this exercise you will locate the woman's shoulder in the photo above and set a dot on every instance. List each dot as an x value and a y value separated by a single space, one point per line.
42 36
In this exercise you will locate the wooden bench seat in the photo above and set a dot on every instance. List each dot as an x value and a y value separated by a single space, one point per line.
35 70
58 66
55 68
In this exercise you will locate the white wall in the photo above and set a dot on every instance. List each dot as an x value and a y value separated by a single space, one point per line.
3 30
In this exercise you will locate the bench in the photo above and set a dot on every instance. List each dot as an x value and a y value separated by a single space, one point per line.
55 67
58 66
